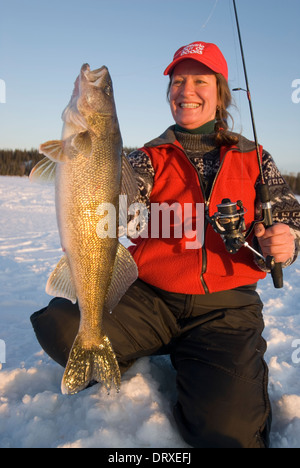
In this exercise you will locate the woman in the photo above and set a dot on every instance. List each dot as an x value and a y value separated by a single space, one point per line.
199 304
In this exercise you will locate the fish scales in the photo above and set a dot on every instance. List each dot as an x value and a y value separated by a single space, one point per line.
96 270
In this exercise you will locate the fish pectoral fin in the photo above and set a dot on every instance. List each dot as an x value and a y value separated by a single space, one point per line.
54 150
60 282
90 363
129 185
125 272
43 172
82 143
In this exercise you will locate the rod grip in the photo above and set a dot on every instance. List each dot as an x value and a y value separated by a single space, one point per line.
277 276
264 195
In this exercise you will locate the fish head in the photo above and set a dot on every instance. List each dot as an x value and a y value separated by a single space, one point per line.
92 96
95 93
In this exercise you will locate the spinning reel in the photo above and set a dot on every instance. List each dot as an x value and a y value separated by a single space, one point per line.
229 222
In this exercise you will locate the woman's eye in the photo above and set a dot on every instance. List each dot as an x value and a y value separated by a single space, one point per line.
177 82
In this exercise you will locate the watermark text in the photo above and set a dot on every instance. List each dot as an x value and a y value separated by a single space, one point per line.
166 221
2 92
296 92
2 353
296 353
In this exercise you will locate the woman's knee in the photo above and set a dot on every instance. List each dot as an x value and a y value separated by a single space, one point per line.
211 432
217 409
56 327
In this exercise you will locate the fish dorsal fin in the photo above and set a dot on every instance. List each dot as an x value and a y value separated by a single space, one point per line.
54 150
124 273
43 172
82 143
60 282
129 185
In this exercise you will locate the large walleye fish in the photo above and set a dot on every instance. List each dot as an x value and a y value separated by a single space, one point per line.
89 172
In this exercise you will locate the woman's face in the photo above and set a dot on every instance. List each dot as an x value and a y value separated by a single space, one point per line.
193 94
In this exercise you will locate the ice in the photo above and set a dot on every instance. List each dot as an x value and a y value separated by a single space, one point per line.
34 413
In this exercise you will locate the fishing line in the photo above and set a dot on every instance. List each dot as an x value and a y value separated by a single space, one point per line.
237 100
210 15
248 93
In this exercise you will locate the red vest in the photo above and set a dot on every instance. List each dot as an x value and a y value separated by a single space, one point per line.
167 263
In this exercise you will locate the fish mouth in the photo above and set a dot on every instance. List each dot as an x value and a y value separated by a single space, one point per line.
94 77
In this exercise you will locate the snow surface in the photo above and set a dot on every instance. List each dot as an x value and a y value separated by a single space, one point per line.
34 413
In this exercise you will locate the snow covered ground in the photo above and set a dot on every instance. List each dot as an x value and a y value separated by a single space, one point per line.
34 413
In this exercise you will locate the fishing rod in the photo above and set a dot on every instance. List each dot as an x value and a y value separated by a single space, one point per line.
263 189
229 220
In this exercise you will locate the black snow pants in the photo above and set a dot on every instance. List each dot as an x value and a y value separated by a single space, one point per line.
216 346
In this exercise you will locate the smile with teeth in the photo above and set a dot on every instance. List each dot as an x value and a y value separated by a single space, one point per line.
189 105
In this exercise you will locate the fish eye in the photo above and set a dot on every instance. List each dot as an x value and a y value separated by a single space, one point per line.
108 90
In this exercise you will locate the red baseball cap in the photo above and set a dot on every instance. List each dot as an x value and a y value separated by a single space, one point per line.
203 52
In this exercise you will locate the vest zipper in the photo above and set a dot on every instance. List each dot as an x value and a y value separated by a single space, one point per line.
216 177
207 203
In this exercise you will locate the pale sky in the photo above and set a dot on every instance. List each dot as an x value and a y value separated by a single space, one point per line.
44 43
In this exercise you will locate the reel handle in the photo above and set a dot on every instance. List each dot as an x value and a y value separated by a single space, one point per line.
264 195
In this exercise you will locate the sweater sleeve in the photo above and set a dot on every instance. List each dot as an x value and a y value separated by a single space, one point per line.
137 221
144 174
285 206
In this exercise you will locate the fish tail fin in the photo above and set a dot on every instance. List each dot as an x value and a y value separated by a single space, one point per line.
87 364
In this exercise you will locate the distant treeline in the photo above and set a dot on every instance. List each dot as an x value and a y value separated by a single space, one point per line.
293 181
20 162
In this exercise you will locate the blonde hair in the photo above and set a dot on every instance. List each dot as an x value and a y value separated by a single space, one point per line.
223 136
